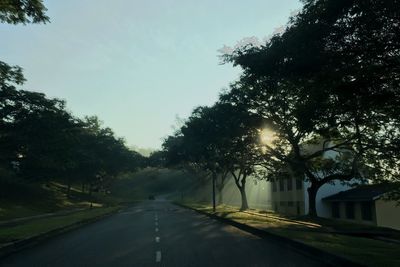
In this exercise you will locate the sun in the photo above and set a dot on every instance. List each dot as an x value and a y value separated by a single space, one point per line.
267 136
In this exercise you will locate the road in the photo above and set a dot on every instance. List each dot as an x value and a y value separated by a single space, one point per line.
158 233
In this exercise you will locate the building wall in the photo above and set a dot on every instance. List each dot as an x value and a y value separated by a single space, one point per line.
281 200
323 208
357 213
387 214
287 201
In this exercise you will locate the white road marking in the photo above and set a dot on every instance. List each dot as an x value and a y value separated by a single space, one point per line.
156 229
157 239
158 256
156 223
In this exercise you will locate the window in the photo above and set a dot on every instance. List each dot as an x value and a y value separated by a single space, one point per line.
289 184
366 211
281 185
282 203
299 184
350 210
290 204
274 185
335 209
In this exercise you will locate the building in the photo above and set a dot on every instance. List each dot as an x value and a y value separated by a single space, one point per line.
365 204
289 196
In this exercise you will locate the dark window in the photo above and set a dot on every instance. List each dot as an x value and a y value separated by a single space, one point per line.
350 210
289 184
290 204
274 185
281 185
282 203
299 184
366 211
335 209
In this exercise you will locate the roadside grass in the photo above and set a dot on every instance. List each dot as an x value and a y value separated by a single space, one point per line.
320 233
22 199
40 226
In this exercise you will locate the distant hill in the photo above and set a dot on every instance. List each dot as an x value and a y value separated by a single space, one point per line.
158 182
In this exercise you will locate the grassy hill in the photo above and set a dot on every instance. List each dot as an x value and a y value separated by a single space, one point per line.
22 199
152 181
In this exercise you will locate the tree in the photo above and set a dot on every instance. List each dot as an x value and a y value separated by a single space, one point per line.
23 11
317 83
14 12
220 140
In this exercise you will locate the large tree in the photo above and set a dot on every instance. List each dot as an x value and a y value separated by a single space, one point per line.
221 140
331 78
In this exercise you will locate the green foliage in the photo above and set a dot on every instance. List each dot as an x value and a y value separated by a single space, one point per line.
220 140
329 87
40 140
23 11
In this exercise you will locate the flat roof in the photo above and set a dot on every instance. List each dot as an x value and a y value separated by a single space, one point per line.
362 193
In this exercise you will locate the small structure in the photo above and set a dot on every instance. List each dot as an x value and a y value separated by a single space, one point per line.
365 204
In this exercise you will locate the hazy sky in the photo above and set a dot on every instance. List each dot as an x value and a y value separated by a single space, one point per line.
137 64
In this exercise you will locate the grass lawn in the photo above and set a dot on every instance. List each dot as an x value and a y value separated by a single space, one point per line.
39 226
19 200
320 234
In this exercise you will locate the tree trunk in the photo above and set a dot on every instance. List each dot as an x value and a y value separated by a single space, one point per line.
312 194
245 205
214 178
220 196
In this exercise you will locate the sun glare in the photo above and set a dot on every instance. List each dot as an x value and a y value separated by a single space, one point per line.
267 136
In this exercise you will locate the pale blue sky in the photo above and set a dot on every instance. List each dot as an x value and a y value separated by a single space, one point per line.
137 64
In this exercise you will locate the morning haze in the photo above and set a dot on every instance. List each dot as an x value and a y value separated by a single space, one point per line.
287 154
137 64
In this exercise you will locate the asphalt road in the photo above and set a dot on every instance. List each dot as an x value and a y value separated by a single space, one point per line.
157 233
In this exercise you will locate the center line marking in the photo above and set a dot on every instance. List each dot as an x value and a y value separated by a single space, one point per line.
156 229
158 256
156 223
157 239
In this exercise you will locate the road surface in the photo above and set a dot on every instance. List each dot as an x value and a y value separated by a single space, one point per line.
157 233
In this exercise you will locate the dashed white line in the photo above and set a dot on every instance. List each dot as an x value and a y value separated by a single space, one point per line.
158 256
156 229
157 239
156 223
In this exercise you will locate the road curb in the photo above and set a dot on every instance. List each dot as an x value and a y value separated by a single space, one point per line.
19 245
325 257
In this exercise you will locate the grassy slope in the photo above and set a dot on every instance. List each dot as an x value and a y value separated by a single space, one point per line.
23 200
38 226
319 234
151 181
19 199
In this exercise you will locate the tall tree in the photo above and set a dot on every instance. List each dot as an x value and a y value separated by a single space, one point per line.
317 81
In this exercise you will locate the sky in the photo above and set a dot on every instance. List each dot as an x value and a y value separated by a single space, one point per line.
137 64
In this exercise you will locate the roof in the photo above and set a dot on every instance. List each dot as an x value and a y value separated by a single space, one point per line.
362 193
